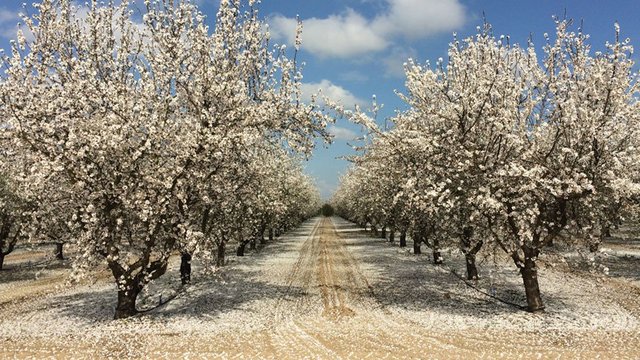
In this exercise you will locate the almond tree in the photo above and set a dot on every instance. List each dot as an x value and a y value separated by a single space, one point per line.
577 153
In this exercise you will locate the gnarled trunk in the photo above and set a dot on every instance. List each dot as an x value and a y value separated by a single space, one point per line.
130 285
59 255
185 268
126 306
403 238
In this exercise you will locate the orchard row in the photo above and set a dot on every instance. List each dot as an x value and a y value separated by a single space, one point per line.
137 140
505 151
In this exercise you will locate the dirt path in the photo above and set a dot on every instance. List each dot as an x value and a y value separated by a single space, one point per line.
317 294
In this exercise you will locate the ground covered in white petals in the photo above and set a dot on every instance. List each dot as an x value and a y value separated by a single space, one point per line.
328 290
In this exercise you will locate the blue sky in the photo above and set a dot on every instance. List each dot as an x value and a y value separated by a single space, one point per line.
354 49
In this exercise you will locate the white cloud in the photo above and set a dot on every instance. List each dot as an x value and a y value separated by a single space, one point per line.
332 91
351 34
420 18
340 133
354 76
8 23
342 35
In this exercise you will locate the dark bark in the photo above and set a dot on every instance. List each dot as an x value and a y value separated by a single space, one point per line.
126 303
185 268
220 253
392 236
470 252
241 248
270 234
532 290
416 246
131 285
403 238
375 231
383 233
472 270
252 244
261 234
7 242
59 254
437 256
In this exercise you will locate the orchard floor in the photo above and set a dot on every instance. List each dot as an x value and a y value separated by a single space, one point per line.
328 290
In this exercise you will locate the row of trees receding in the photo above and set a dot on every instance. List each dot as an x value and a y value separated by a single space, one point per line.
502 147
135 138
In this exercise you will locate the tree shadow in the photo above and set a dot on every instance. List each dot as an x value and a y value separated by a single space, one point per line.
209 295
24 272
204 299
413 282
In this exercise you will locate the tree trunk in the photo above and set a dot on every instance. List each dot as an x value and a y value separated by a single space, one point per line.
472 270
1 259
437 256
261 236
59 255
252 244
416 246
126 302
220 254
403 238
270 234
470 253
383 233
532 290
392 236
185 268
240 250
374 229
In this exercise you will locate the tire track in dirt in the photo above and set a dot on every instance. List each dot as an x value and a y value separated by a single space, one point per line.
327 297
343 286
